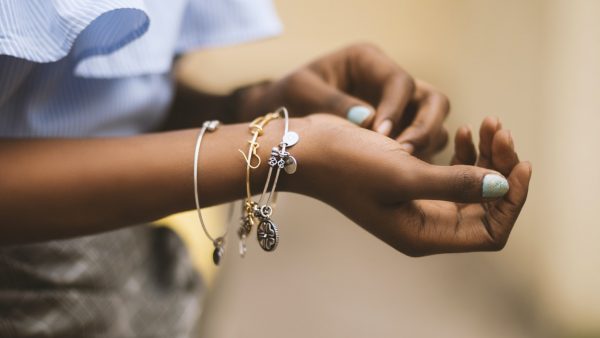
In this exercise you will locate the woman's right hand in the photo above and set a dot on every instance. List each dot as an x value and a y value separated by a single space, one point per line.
418 208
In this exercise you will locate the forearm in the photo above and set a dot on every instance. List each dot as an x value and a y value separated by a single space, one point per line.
57 188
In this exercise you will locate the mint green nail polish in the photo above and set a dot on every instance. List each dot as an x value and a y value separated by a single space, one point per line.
494 186
358 114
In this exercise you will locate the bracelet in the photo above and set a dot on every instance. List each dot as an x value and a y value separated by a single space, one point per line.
247 220
218 242
267 231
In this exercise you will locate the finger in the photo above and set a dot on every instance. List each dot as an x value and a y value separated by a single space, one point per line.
321 96
377 78
488 129
464 148
433 109
397 91
459 183
463 228
431 227
503 213
438 144
504 157
441 141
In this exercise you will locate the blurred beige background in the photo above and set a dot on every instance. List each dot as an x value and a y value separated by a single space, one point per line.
536 65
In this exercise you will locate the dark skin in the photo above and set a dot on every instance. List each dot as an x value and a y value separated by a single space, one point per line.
360 74
58 188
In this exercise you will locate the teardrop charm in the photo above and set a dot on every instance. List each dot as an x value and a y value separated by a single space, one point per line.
219 250
217 255
290 165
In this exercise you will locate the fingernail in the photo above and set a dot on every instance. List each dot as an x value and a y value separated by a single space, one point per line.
494 186
358 114
385 127
409 148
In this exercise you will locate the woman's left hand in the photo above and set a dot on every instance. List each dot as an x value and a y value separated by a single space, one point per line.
367 87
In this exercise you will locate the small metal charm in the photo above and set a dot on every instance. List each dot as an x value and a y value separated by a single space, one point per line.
267 235
272 161
245 226
290 138
219 250
263 212
211 125
290 165
242 247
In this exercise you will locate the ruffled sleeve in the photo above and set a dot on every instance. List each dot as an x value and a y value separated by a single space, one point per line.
122 38
208 23
47 30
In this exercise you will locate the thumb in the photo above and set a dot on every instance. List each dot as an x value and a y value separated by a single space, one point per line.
327 98
458 183
355 110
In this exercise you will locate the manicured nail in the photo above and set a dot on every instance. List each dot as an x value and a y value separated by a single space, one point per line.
409 148
358 114
385 127
494 186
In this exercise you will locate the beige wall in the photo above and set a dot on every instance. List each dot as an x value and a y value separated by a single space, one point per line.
569 187
536 65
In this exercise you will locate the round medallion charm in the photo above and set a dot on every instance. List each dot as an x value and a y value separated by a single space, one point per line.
267 235
290 138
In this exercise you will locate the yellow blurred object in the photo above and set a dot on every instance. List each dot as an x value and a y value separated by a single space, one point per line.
187 225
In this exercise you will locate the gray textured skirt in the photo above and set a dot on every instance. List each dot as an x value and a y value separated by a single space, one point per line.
135 282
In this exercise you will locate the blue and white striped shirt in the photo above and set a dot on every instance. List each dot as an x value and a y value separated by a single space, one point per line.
103 67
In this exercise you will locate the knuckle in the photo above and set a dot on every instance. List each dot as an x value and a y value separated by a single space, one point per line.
405 80
292 86
295 80
464 181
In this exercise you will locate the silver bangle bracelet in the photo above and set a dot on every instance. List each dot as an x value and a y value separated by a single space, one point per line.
218 242
267 231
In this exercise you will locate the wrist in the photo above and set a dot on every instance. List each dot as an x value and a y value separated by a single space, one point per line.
303 152
318 155
245 103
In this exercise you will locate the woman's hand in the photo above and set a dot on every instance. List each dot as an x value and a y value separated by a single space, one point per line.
364 85
417 208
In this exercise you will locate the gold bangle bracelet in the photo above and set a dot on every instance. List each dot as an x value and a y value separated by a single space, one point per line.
247 219
267 232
